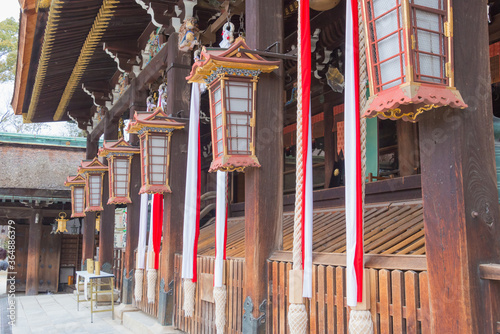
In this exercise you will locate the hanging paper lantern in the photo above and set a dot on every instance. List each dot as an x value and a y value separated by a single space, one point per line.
77 184
93 171
119 154
410 58
231 77
155 131
61 223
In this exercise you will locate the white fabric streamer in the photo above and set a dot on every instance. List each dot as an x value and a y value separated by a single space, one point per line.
220 228
143 230
150 238
308 217
192 179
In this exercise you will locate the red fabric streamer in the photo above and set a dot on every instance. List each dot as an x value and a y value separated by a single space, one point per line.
305 55
157 226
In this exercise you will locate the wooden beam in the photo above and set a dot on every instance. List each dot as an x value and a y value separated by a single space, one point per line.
490 271
374 261
25 213
35 238
148 75
264 185
459 187
408 153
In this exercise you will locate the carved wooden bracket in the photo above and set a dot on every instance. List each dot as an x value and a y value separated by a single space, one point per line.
126 56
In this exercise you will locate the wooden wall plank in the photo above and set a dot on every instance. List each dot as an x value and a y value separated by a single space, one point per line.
313 310
374 292
330 299
339 297
283 306
320 277
385 299
397 301
276 297
424 302
411 295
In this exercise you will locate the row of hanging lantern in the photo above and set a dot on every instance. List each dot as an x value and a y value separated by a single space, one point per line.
410 67
231 78
154 129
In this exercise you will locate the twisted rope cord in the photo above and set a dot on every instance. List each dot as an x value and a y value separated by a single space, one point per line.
299 178
363 77
297 314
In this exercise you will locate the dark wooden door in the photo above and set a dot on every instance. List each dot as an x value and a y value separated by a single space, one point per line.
50 256
21 256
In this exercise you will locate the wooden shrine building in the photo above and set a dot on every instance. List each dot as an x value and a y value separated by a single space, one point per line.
32 195
431 231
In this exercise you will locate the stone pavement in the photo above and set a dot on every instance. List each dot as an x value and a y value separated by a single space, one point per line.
54 314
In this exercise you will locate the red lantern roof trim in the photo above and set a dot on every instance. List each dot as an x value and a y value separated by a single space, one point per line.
117 147
233 163
389 103
157 121
92 166
74 180
230 58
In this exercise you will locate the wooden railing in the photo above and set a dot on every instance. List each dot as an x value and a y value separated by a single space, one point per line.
399 297
203 320
143 305
118 256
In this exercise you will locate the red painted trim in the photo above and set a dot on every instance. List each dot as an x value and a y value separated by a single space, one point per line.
358 255
305 57
157 226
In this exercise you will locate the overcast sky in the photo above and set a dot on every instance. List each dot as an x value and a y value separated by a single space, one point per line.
10 8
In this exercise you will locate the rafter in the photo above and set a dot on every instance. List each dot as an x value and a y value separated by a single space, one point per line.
48 42
93 39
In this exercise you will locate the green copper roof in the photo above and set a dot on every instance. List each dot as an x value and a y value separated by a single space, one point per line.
29 139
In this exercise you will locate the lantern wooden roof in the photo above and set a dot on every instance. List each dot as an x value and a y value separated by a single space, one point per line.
75 180
92 166
117 147
157 121
230 61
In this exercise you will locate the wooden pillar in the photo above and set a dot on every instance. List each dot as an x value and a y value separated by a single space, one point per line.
92 148
88 228
134 208
264 185
107 228
461 212
330 148
408 152
88 240
34 241
173 217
